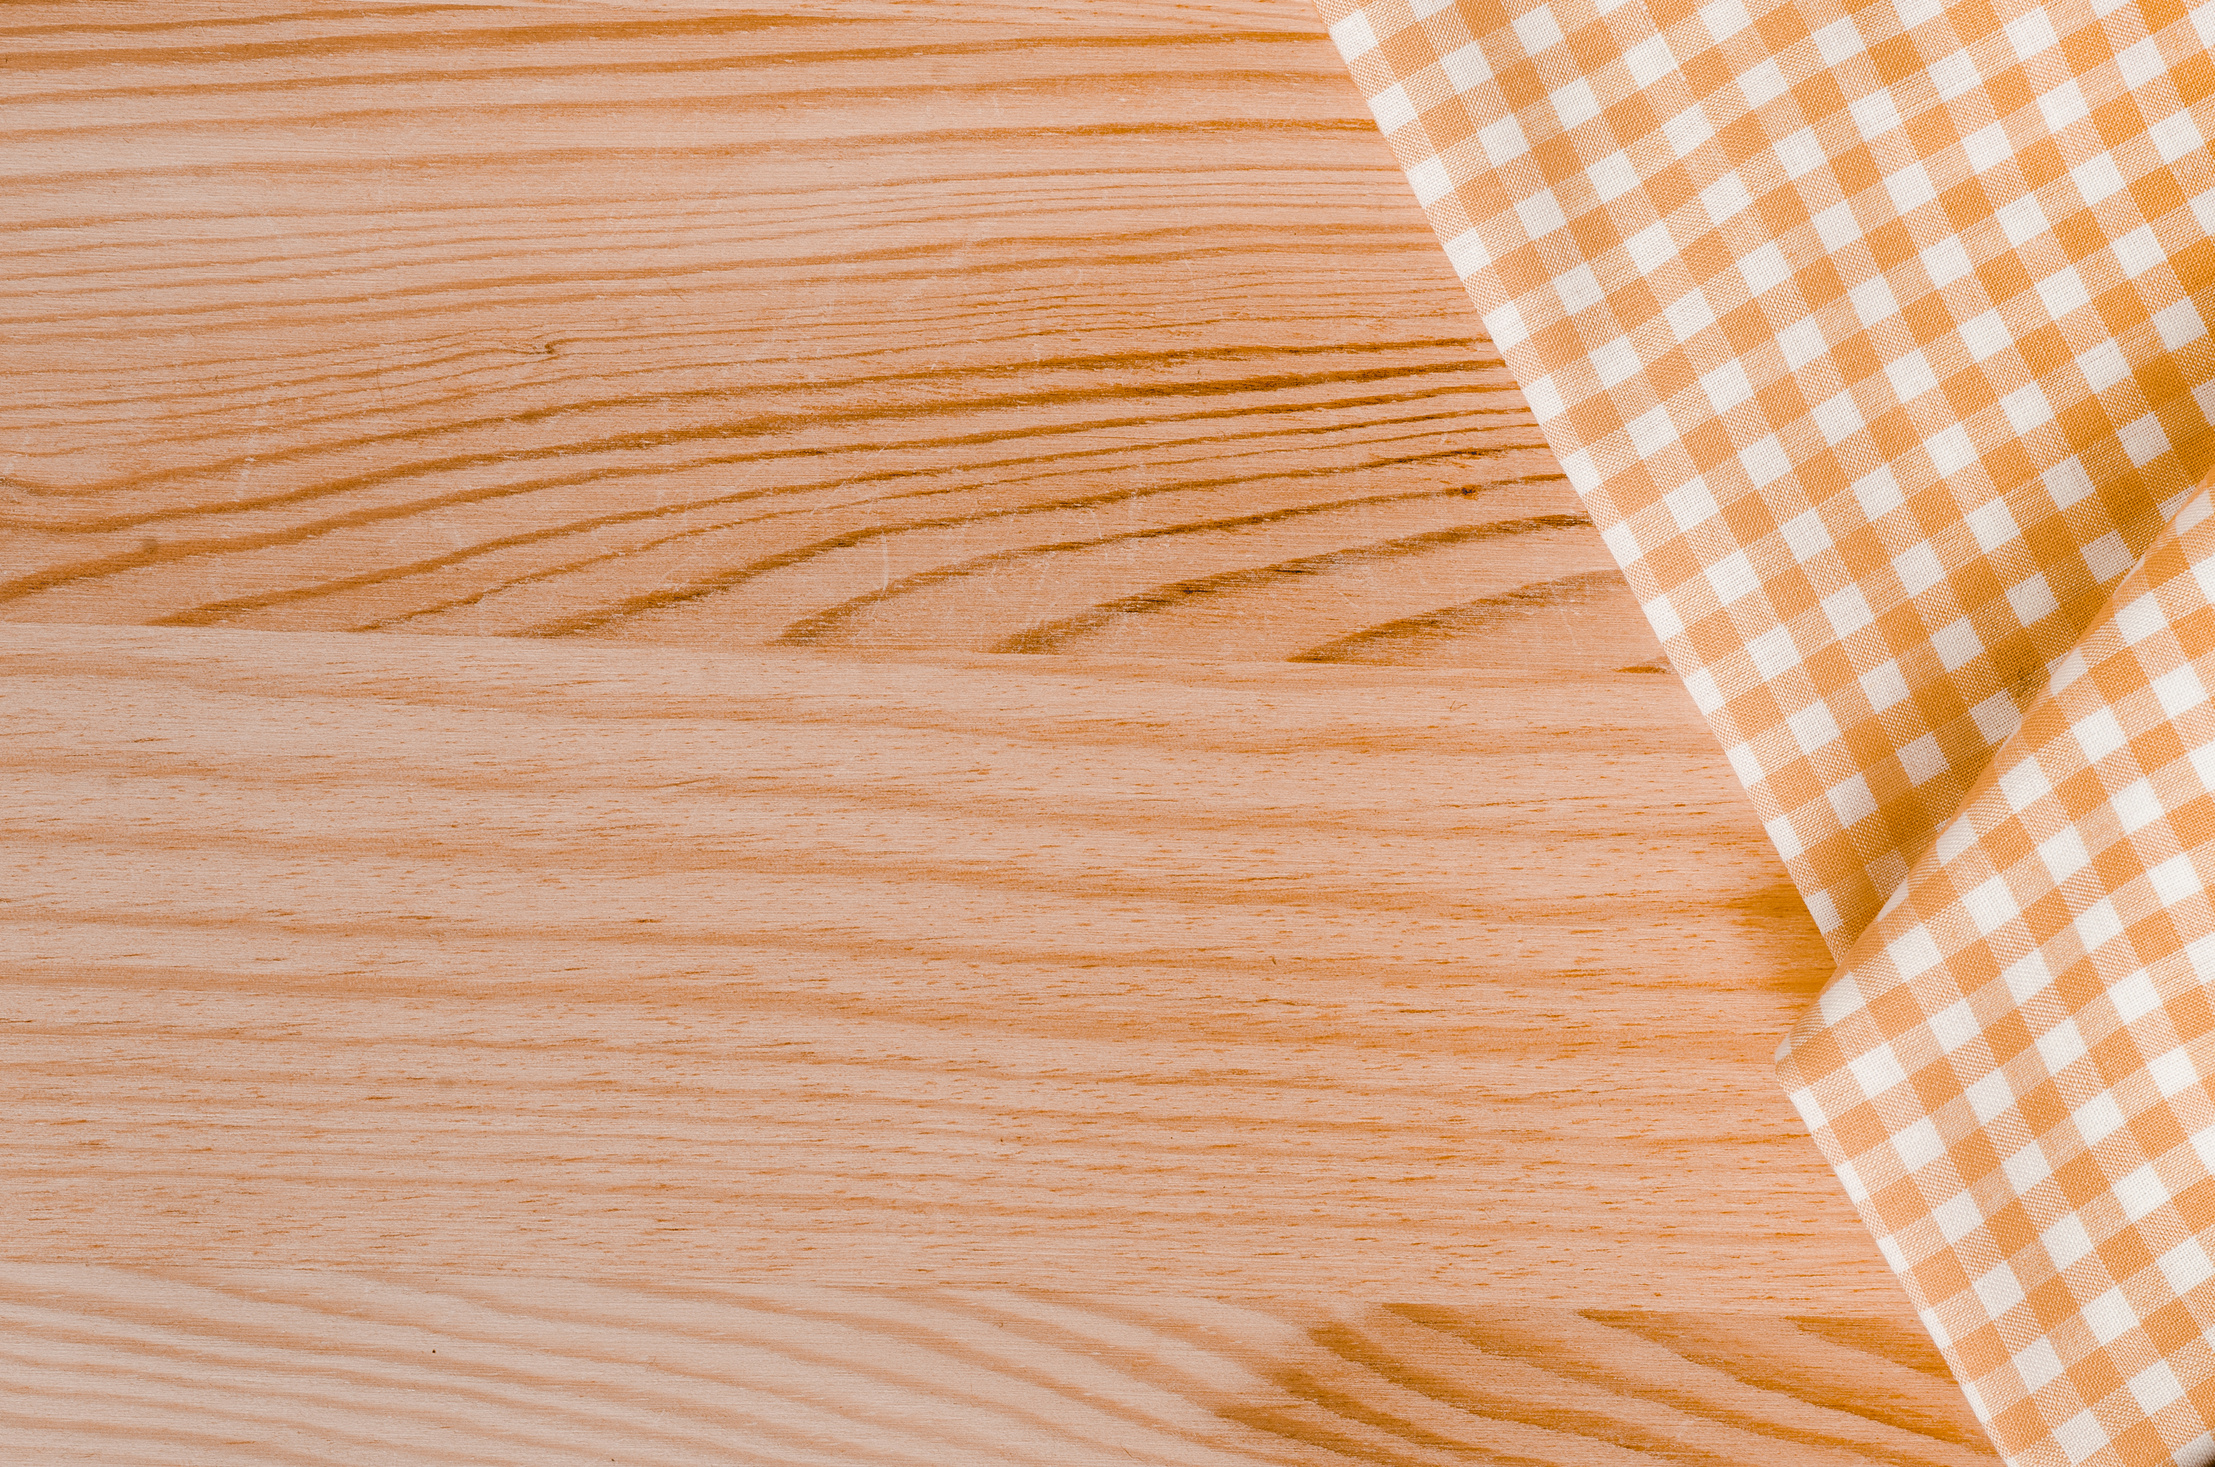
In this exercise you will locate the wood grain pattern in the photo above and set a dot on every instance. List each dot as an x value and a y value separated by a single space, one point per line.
1144 16
1282 985
658 958
1149 905
704 327
111 1365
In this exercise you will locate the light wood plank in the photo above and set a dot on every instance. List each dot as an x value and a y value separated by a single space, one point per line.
417 953
190 1366
1295 16
1263 1006
698 326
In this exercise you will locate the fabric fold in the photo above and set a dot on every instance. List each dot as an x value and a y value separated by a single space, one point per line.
1875 337
2008 1072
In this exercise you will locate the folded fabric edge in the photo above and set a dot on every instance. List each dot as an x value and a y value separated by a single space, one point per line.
2009 1072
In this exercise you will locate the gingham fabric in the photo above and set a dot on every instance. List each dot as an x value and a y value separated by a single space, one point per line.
1869 336
2008 1074
1877 342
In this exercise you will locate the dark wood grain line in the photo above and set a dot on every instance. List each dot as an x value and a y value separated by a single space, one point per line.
1701 1342
1053 636
214 612
1399 640
1946 1424
1039 401
828 621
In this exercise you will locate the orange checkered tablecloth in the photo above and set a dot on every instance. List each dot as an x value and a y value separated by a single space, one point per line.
1877 341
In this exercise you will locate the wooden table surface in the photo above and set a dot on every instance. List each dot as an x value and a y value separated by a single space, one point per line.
1002 811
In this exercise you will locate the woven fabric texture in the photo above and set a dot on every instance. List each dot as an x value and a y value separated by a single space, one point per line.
1876 340
1871 337
2007 1074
